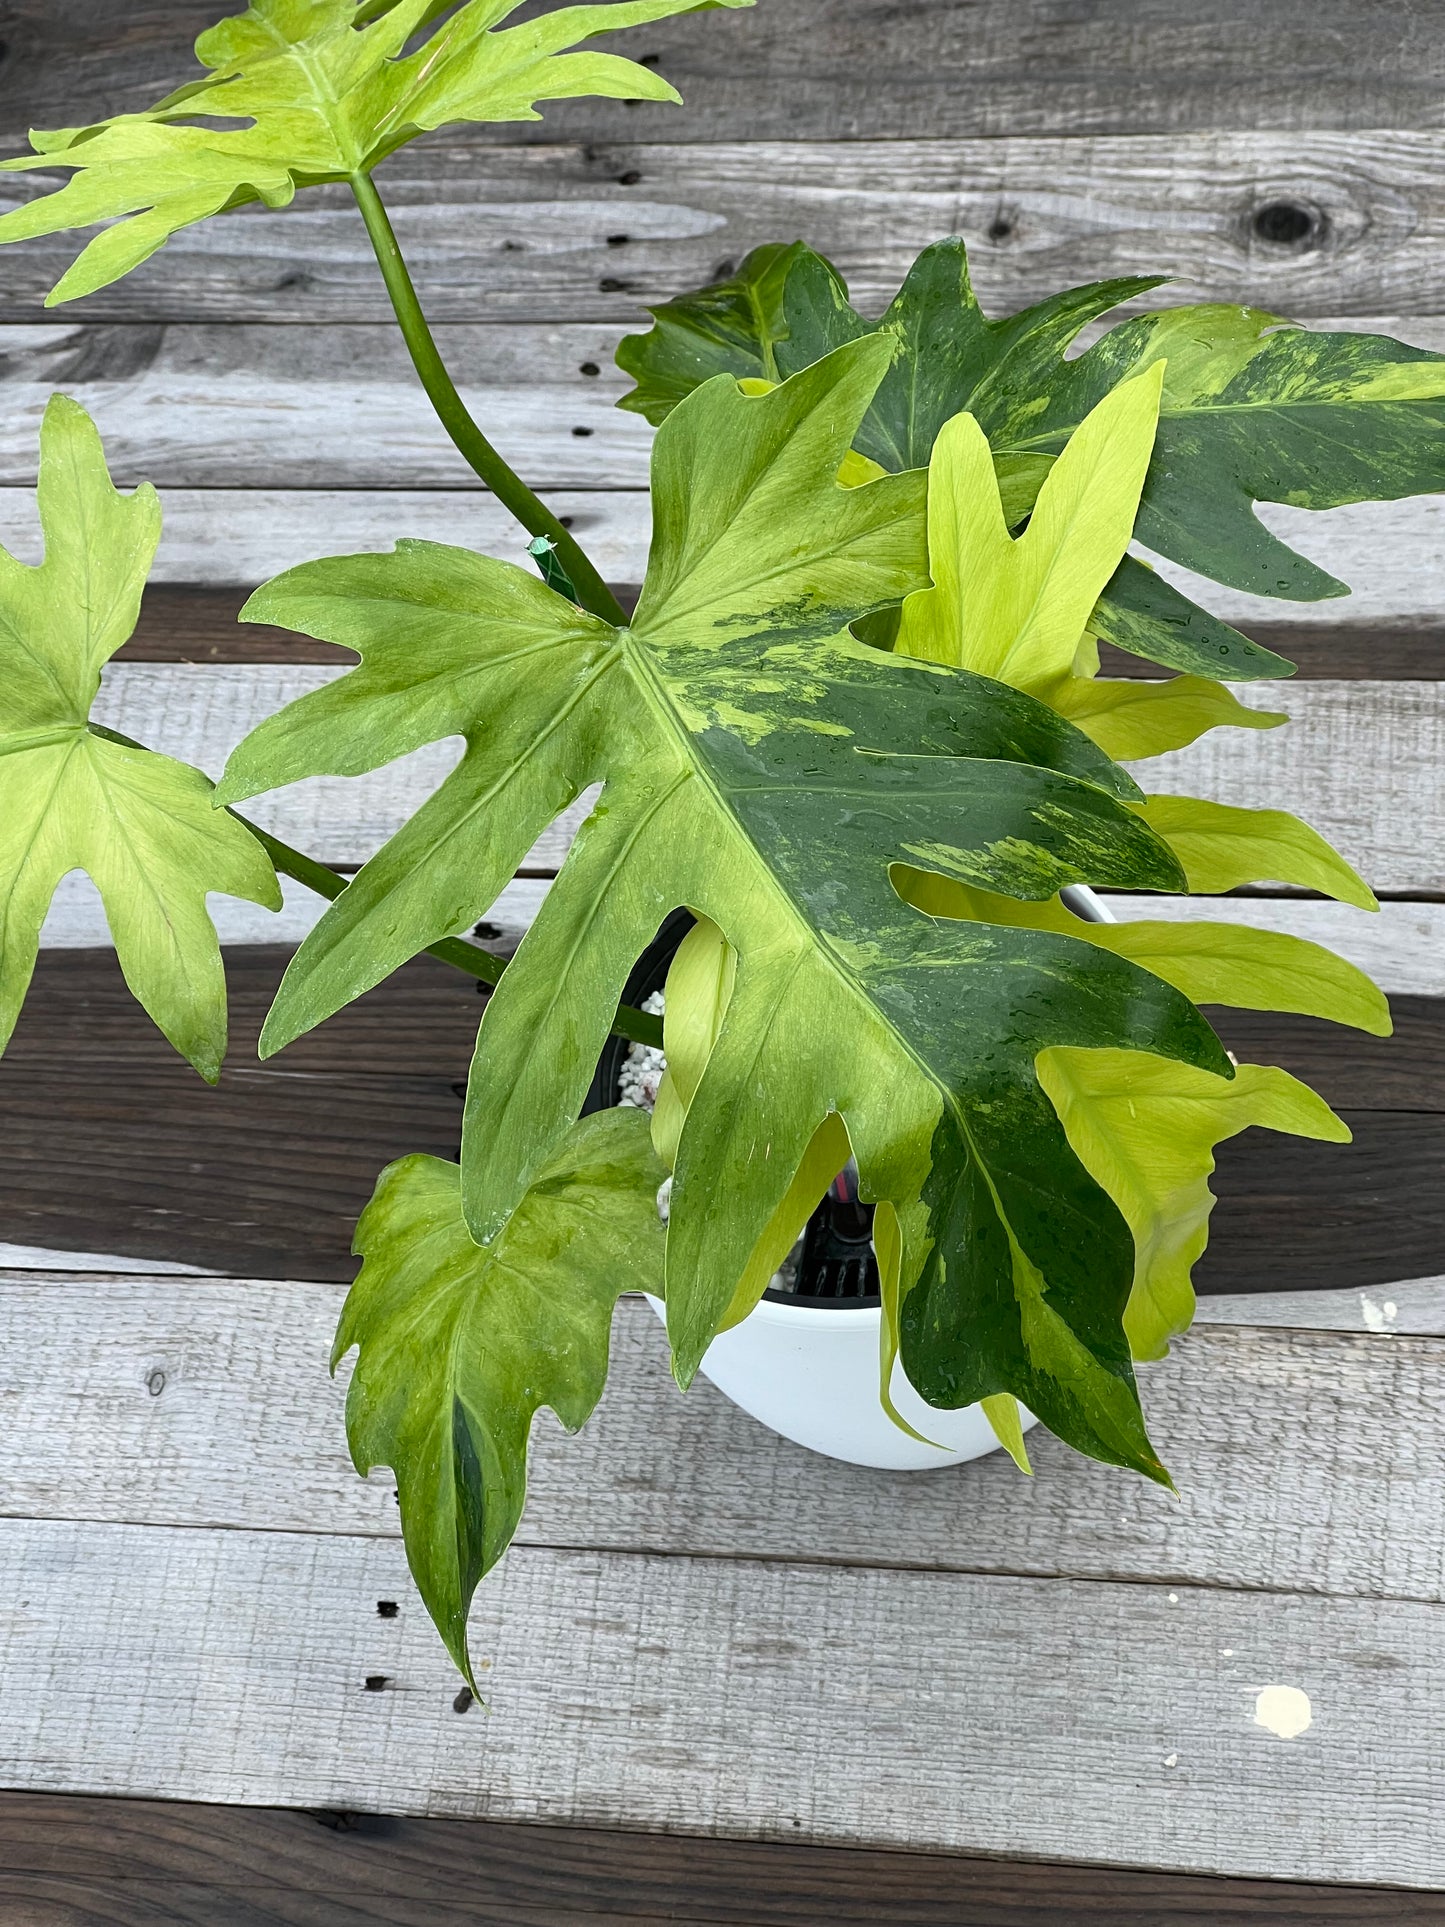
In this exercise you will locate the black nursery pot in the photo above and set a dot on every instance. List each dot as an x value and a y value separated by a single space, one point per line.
833 1264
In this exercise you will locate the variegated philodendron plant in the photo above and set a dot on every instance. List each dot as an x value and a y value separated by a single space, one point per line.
856 726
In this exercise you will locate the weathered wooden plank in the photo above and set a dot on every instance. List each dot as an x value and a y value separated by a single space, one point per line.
76 920
260 407
1358 761
125 1861
590 232
267 1173
733 1698
1416 1305
1307 1461
245 536
236 405
829 69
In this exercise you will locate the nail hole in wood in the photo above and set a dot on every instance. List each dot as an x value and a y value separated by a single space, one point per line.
376 1682
617 240
1000 228
588 368
463 1700
581 431
609 284
724 269
629 179
386 1609
156 1383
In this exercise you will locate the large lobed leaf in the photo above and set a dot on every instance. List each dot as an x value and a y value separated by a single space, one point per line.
324 89
767 771
1251 411
72 797
459 1345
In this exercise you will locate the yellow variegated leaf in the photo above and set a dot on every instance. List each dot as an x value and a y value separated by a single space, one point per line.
1132 719
1222 847
1146 1130
1013 608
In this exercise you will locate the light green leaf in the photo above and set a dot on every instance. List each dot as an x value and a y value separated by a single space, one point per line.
1018 608
458 1346
1002 1413
728 328
699 988
1247 969
1222 847
73 797
765 770
1146 1131
326 89
1131 720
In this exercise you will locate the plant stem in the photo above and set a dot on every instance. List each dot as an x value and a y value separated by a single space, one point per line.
637 1026
509 488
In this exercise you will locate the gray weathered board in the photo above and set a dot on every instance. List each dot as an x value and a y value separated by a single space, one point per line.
701 1629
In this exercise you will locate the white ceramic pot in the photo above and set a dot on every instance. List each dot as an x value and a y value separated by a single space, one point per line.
811 1373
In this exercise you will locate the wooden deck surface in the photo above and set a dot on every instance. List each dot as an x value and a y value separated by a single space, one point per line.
728 1682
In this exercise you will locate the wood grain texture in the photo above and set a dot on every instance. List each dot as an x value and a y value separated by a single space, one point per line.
1415 1305
835 68
537 232
92 1862
203 1402
1060 1718
113 1145
1358 760
245 536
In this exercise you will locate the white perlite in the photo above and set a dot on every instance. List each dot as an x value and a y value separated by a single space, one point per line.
643 1065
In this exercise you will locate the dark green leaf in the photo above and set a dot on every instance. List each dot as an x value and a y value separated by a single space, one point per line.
1252 412
729 328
